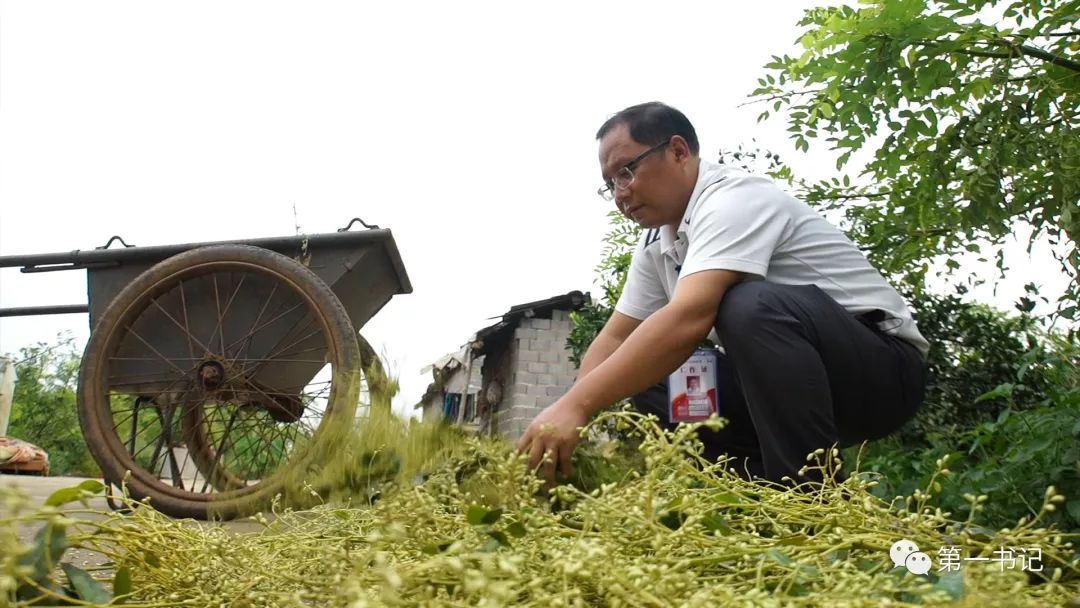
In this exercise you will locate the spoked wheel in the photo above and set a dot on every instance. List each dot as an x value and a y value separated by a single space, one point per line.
212 373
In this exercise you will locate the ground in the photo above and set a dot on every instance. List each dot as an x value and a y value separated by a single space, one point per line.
39 488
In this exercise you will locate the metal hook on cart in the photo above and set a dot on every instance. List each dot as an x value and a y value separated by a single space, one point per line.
115 237
356 219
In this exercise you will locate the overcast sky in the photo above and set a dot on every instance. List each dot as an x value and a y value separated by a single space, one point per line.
466 128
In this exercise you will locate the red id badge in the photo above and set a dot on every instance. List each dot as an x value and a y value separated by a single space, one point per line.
692 389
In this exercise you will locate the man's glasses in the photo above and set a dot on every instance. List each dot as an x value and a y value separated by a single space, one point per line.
625 175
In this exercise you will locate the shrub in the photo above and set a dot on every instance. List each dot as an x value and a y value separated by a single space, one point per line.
43 408
1011 459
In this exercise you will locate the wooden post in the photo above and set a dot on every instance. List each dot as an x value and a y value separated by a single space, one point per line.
468 381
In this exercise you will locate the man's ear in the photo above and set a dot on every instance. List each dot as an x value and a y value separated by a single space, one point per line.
680 148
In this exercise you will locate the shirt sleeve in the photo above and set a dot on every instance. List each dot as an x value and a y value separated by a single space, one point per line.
643 293
737 227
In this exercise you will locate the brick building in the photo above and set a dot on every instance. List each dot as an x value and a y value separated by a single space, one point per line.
517 367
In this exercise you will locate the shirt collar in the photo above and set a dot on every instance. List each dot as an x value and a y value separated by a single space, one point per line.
709 173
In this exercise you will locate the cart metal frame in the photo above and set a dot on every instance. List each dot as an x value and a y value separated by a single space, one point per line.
209 353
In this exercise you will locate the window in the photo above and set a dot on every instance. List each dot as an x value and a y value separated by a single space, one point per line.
451 407
470 408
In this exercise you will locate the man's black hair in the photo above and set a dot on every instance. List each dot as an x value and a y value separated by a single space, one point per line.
651 123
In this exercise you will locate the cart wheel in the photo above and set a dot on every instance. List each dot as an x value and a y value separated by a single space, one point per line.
213 372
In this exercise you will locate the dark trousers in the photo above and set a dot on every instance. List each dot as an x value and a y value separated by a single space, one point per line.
800 373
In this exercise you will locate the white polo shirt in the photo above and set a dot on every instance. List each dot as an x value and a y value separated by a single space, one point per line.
746 223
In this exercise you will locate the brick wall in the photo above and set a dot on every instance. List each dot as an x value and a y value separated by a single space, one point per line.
541 371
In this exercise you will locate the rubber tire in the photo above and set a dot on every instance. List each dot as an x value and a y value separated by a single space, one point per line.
94 407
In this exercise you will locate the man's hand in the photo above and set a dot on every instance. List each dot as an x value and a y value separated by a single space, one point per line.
554 433
652 350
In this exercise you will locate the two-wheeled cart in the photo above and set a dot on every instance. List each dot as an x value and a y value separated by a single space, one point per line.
212 368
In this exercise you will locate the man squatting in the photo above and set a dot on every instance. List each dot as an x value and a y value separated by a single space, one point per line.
818 349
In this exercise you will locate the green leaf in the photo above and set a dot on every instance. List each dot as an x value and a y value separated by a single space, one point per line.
516 529
673 520
122 583
478 515
907 596
435 548
500 537
64 496
727 498
86 587
951 583
33 595
1000 391
779 557
797 539
867 565
838 555
50 542
979 533
798 590
1073 507
92 486
714 522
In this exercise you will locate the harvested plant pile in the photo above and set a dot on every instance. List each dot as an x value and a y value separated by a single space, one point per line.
433 518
